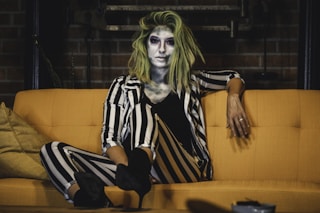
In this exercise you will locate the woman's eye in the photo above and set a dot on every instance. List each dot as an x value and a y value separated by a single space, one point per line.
154 40
170 41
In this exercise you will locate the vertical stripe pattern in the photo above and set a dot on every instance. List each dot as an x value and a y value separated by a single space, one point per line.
173 163
123 115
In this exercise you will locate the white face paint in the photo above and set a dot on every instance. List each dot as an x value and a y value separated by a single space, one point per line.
160 47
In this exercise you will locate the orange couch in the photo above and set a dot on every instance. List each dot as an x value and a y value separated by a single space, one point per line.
277 164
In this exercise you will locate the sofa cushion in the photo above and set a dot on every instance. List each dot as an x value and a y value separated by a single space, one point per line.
73 116
20 144
288 196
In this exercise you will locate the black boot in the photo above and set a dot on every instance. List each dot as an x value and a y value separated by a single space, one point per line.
91 193
135 176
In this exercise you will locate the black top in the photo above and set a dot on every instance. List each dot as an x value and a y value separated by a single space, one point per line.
171 111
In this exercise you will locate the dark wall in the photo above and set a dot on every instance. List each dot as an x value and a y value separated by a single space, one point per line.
309 52
65 46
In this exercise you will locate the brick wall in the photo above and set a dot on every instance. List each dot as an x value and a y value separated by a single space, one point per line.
111 50
12 28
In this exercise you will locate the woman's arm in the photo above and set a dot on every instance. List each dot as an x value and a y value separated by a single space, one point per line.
113 123
236 117
234 84
214 80
117 155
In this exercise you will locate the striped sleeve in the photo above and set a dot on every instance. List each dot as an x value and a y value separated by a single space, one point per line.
215 80
113 113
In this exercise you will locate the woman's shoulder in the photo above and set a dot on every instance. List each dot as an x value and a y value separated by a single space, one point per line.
124 79
126 82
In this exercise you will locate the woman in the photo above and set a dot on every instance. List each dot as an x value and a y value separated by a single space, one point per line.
153 127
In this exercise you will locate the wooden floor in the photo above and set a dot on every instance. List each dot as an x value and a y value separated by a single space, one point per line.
28 209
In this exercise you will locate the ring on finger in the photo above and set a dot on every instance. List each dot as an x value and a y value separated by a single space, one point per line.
241 119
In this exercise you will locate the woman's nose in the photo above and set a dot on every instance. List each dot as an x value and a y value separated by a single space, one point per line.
162 48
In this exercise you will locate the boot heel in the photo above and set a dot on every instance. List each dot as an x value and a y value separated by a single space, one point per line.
127 181
140 201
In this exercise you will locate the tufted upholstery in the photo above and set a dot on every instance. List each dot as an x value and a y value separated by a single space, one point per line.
284 140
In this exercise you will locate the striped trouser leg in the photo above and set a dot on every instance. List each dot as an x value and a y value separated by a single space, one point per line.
173 164
62 161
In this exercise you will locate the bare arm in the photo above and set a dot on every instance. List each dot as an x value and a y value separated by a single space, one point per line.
117 155
236 116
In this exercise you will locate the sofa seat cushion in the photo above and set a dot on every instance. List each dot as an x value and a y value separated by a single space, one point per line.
289 196
29 192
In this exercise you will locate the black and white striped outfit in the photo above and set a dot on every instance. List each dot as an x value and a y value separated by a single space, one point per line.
130 121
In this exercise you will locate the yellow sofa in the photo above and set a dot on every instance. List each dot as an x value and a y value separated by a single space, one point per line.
278 163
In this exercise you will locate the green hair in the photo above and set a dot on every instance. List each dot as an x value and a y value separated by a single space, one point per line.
185 49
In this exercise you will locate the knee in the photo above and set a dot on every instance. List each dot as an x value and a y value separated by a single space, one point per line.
50 147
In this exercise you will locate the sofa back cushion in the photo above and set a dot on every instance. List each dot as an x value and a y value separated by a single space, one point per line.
284 143
73 116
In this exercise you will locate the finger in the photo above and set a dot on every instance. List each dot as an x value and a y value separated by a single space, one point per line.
245 120
234 128
243 127
239 126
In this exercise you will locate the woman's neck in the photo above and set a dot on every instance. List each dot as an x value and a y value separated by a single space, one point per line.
158 75
157 92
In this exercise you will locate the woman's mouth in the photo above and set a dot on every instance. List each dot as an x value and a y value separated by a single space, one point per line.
161 58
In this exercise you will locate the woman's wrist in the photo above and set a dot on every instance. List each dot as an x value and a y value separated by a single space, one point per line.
235 86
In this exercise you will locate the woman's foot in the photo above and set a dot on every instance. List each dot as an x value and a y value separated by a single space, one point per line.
91 193
135 176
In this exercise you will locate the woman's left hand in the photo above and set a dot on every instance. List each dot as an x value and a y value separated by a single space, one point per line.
236 117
